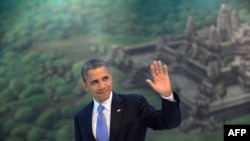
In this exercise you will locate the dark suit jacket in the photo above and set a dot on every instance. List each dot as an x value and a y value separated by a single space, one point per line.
130 123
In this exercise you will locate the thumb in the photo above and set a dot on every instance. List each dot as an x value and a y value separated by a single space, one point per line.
150 83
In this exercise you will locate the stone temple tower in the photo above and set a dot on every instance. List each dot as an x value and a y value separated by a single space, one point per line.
235 20
224 24
213 38
190 26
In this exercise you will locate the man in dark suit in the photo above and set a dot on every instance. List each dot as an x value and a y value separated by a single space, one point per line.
127 116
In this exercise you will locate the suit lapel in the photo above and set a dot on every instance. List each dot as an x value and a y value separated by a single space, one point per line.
88 123
116 115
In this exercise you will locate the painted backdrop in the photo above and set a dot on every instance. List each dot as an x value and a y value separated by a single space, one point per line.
206 45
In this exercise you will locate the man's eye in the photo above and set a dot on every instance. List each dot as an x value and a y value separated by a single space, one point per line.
106 78
94 82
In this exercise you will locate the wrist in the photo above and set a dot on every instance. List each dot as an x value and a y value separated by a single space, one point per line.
170 97
167 94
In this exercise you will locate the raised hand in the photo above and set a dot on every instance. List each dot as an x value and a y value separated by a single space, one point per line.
161 82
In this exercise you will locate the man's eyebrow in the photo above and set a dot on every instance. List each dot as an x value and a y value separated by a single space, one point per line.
95 80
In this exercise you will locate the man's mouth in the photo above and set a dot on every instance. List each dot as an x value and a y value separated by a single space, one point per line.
102 92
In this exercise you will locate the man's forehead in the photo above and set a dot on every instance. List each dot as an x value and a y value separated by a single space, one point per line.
97 73
101 69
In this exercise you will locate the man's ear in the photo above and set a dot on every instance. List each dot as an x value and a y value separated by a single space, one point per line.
84 86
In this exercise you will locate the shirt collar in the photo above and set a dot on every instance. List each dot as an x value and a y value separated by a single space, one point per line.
106 103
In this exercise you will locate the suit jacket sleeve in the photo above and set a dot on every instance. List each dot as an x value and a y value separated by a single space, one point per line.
167 117
77 130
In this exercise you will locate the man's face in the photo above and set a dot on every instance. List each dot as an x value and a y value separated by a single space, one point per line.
99 83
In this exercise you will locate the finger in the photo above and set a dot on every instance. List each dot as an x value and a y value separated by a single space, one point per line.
165 69
153 71
150 82
155 68
159 67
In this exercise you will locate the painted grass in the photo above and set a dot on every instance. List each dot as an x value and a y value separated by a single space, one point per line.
79 47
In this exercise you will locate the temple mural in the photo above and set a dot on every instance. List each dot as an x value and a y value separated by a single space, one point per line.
216 59
205 44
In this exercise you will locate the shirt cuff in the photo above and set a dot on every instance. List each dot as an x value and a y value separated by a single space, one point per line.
170 98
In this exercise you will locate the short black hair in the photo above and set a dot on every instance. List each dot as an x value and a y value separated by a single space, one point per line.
92 64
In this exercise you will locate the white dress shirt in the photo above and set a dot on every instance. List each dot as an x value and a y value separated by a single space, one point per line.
170 98
106 112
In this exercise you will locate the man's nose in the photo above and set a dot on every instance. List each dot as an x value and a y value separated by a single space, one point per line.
102 85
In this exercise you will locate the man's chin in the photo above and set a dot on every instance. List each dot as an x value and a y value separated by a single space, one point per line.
104 95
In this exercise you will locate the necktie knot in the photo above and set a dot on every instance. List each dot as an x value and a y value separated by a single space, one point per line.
100 108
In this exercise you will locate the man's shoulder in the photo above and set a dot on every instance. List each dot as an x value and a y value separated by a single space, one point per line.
130 97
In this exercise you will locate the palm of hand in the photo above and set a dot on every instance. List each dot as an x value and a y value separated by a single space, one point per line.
160 83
